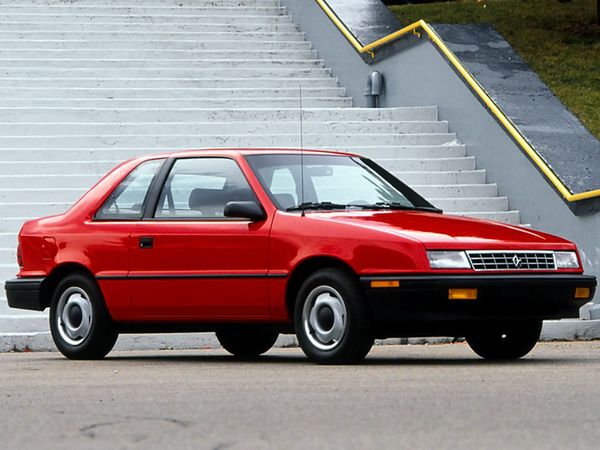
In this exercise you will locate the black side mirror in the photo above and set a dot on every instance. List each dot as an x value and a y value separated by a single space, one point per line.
246 210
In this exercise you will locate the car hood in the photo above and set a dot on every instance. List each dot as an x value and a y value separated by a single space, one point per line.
442 231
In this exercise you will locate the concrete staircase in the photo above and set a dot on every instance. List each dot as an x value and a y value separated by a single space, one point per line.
86 84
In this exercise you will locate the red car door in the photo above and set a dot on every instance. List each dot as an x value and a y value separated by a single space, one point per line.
107 237
190 262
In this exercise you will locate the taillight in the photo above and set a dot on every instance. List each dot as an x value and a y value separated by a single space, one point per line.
19 256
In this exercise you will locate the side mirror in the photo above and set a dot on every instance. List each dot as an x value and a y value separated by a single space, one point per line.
245 210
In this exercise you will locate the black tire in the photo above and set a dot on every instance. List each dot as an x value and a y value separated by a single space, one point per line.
97 335
246 341
323 299
507 340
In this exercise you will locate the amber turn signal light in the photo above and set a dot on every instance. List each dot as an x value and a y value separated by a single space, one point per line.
582 292
462 294
385 284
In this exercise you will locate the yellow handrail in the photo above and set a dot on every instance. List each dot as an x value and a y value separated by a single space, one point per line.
491 105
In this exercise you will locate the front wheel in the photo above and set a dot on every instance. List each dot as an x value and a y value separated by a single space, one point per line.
246 341
505 340
79 321
331 319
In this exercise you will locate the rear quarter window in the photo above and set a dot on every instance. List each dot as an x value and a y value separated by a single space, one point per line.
128 199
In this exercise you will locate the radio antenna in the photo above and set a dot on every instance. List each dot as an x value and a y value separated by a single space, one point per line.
301 154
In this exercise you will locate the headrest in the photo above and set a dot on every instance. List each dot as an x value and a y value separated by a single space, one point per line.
201 198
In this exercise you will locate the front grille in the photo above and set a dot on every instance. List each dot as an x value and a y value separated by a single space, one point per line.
511 260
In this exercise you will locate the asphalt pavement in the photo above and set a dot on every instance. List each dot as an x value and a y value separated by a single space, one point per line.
409 396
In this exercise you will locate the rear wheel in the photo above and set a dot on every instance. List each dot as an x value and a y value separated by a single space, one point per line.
505 340
79 321
247 342
331 319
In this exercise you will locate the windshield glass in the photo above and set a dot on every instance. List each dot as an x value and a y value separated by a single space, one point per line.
331 182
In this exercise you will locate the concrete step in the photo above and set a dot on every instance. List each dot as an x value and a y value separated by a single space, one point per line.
240 140
8 240
7 272
218 115
80 154
46 181
441 177
30 211
148 19
175 46
71 22
174 72
143 9
511 217
381 126
451 191
467 205
157 65
102 166
11 225
8 83
200 36
34 94
122 153
116 153
56 167
109 27
20 321
160 103
41 195
9 255
151 3
427 164
152 54
405 151
251 127
26 209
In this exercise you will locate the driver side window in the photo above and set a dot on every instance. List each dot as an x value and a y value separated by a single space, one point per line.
199 188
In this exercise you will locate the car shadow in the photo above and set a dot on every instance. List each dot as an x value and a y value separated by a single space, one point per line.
369 361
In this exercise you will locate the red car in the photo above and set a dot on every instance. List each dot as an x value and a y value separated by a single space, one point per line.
233 241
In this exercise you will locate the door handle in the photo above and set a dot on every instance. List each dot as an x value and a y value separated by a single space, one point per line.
146 242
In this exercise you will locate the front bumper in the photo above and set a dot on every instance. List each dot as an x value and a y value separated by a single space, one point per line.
425 298
24 293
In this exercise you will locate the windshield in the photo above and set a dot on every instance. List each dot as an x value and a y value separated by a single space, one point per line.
331 182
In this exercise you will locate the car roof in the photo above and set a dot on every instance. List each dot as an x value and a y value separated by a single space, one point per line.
245 152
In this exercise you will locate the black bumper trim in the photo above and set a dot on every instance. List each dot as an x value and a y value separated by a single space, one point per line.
24 293
425 297
430 281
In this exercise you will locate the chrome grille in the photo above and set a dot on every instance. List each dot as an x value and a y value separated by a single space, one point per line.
511 260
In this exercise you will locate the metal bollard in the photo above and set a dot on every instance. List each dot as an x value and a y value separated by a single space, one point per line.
374 89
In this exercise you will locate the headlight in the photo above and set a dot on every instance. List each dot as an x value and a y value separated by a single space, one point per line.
566 260
448 260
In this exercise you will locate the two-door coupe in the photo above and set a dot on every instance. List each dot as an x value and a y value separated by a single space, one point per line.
253 243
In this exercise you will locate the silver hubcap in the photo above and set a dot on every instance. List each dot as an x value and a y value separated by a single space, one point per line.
324 317
74 315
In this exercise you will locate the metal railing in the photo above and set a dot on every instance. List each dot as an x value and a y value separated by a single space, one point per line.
421 25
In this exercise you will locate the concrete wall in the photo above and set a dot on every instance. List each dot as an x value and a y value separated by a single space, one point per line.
416 74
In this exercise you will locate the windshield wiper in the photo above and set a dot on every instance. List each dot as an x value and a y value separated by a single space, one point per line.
402 207
325 206
330 206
